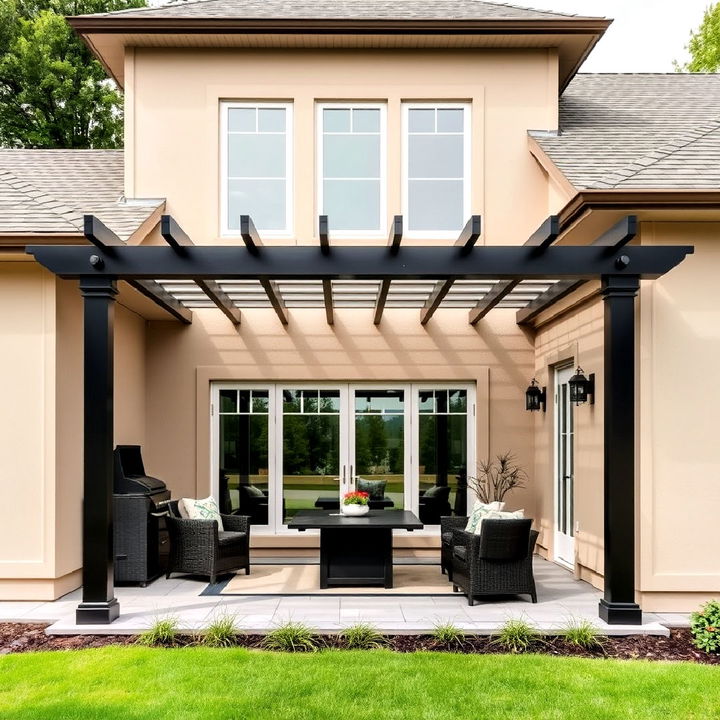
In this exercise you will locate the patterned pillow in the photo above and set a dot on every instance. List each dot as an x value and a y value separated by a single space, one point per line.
374 488
479 511
498 515
206 509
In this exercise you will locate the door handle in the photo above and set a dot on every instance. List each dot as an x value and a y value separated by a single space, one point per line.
343 476
352 477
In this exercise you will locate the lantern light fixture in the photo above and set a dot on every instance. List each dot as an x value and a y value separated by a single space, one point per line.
582 389
535 397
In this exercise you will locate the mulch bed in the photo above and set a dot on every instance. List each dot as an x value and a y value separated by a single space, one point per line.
17 638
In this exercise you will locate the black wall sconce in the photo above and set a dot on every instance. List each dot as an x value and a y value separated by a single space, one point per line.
582 389
535 397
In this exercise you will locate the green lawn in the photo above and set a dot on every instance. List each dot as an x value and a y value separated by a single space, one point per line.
134 682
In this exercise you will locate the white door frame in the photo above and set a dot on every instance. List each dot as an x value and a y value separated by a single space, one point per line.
563 544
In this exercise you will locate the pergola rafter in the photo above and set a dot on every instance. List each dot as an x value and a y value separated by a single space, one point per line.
618 266
393 243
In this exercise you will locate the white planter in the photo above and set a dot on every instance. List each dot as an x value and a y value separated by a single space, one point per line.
355 510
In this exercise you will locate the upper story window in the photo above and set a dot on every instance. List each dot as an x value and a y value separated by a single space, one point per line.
352 168
436 168
257 166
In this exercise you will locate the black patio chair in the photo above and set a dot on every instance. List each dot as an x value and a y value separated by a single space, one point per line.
498 561
198 548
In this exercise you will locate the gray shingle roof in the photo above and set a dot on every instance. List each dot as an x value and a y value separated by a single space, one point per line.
340 10
639 131
50 190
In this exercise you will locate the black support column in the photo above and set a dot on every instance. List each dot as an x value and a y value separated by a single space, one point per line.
618 605
98 599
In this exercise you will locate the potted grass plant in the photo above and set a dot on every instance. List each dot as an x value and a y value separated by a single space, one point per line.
355 504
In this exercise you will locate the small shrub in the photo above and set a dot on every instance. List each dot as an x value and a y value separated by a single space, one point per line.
583 634
291 637
221 632
362 636
516 636
445 633
163 632
705 627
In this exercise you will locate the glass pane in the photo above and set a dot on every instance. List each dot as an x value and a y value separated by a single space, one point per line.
442 466
435 156
449 120
435 205
379 401
291 401
329 401
310 401
264 200
271 120
244 401
426 401
256 156
366 120
241 119
458 401
422 120
336 120
351 156
244 466
352 204
260 401
380 454
311 458
228 401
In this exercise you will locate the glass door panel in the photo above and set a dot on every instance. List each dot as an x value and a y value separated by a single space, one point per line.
442 453
243 453
311 448
379 445
564 468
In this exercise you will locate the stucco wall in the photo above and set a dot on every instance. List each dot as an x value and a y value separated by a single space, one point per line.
172 124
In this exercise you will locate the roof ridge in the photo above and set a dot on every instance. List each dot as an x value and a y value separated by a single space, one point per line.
39 198
662 152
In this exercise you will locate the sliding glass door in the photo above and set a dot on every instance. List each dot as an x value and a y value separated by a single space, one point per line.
281 448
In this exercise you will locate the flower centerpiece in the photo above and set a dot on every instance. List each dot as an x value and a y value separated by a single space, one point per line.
355 503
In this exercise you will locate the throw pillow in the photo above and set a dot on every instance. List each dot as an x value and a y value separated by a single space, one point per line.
499 515
253 491
478 511
205 509
374 488
437 491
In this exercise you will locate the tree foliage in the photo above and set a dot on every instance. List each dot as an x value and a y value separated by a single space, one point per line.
53 93
704 45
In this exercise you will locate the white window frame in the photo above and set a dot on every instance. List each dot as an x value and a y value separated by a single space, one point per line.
225 107
466 107
381 232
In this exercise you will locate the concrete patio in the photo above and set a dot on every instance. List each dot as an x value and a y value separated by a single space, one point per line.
560 598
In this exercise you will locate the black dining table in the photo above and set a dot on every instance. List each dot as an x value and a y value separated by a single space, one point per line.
356 551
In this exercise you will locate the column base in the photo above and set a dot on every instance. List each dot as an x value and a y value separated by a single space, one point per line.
616 613
97 613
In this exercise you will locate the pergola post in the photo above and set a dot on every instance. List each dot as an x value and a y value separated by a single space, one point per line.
98 597
618 605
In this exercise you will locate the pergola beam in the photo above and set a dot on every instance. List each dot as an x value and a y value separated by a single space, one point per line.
99 234
328 300
546 234
249 234
396 233
271 290
442 288
324 234
381 300
173 234
220 298
469 234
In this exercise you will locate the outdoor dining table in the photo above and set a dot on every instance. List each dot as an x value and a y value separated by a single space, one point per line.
356 550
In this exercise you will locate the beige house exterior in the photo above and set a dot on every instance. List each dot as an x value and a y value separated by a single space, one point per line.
539 140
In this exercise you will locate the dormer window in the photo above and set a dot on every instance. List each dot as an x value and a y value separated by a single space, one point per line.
436 168
352 168
256 152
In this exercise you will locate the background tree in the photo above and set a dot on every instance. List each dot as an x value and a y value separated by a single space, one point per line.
704 45
53 93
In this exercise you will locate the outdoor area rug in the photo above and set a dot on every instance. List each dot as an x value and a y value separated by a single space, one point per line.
304 579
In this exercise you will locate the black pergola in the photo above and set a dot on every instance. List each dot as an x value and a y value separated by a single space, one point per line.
618 266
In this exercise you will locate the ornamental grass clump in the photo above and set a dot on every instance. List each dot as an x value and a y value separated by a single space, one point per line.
291 637
222 632
583 634
362 636
162 633
705 627
516 636
448 635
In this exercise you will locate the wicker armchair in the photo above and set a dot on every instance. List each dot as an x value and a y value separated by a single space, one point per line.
198 548
498 561
447 525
